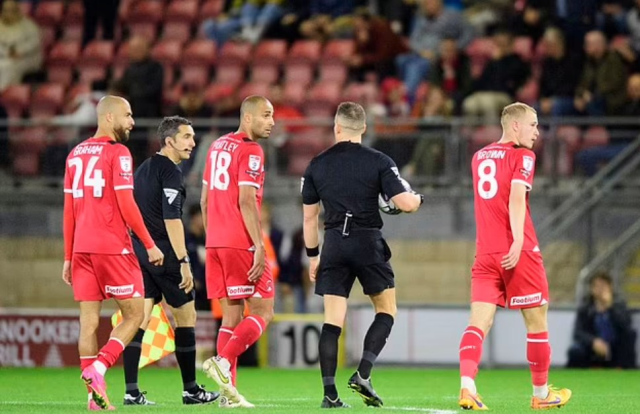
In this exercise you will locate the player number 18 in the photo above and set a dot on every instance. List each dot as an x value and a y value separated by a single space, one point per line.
487 176
92 177
220 162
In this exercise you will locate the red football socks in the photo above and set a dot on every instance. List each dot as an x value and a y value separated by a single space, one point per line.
470 351
110 353
224 334
539 357
244 335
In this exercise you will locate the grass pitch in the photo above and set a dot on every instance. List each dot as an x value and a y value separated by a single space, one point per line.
300 391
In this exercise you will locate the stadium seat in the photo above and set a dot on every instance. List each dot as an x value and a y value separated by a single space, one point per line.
235 53
120 61
96 58
294 93
265 72
484 135
61 61
26 165
147 30
217 91
529 92
339 50
304 145
25 8
183 11
49 13
199 76
180 31
197 60
47 37
595 136
253 88
145 11
333 71
569 135
568 139
47 100
523 47
124 10
31 140
307 51
270 51
171 97
15 99
363 93
75 12
479 51
299 72
72 31
167 52
322 99
210 9
231 74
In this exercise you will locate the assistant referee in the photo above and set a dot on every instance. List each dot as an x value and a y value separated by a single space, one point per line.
160 193
347 178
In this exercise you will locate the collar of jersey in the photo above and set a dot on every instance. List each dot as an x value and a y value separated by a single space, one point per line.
101 139
241 135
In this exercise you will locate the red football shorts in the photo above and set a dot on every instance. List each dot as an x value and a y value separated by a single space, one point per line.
226 273
525 286
97 277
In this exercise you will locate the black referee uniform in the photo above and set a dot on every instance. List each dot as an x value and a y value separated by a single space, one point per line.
347 178
160 193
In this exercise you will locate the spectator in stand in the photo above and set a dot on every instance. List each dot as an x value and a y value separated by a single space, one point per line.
20 46
431 25
558 82
575 18
399 13
142 82
288 28
603 335
4 138
376 46
500 80
327 18
450 81
612 17
246 19
531 18
195 239
192 105
630 50
99 12
591 159
601 90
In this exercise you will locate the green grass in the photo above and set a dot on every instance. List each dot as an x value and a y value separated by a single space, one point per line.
299 391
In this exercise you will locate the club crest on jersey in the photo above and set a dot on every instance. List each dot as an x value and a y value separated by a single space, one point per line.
125 164
254 162
527 163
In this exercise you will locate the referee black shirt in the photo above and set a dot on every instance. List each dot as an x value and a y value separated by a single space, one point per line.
349 177
159 192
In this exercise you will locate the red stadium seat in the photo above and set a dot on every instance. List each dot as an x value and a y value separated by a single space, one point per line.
26 165
339 50
265 72
569 136
61 61
295 93
484 135
270 51
47 37
322 99
124 10
15 99
235 53
30 140
210 9
305 51
197 60
199 76
216 92
75 13
167 52
529 92
47 100
72 31
148 30
333 71
595 136
146 11
304 145
230 74
49 13
252 88
96 58
171 97
177 31
301 73
363 93
184 11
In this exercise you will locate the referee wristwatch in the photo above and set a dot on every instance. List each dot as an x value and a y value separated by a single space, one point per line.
185 260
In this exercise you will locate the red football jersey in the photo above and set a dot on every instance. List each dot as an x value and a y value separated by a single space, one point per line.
494 168
233 160
95 170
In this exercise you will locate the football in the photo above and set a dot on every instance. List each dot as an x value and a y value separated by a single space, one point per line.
386 205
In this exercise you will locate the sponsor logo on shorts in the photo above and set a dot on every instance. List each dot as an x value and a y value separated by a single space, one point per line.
240 290
526 300
119 290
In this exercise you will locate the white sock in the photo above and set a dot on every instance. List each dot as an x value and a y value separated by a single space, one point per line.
224 362
541 392
468 383
100 367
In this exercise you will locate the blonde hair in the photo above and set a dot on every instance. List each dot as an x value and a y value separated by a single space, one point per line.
351 115
514 111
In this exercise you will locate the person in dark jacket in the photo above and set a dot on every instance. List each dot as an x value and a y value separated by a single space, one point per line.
603 336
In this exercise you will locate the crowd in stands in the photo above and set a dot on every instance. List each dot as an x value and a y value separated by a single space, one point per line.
403 59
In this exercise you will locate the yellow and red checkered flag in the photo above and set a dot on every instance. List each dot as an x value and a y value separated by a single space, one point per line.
159 339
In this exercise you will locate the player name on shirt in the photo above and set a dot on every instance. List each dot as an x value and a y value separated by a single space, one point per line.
225 146
493 154
88 150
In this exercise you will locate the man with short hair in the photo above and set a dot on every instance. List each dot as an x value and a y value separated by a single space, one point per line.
508 270
236 271
160 192
348 178
99 210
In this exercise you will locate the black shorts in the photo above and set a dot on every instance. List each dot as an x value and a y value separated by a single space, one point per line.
162 281
364 255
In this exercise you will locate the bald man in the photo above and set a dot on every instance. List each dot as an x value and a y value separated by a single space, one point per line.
236 271
99 264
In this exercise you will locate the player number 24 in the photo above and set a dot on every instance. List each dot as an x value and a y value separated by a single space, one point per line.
220 163
92 177
487 177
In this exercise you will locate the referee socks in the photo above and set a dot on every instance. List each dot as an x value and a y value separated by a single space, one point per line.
131 359
374 342
328 348
186 356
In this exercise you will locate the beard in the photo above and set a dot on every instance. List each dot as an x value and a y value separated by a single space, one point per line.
122 135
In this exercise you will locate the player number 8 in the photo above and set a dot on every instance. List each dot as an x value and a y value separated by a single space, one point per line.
220 162
487 175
